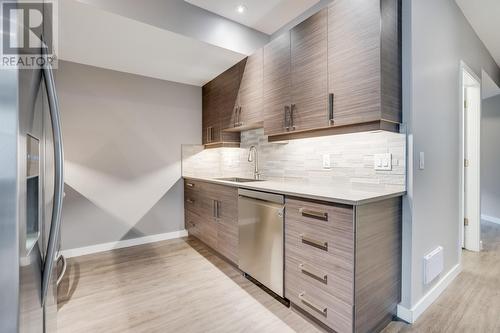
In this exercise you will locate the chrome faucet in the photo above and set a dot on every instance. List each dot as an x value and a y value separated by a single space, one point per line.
254 158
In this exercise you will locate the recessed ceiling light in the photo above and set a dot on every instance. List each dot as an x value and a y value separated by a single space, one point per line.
241 9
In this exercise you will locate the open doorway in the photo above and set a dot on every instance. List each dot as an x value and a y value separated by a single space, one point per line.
490 163
470 161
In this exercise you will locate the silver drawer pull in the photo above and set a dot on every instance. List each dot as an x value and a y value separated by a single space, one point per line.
313 242
313 214
319 309
191 201
320 277
189 184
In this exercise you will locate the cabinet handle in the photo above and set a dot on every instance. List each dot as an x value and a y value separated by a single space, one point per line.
321 277
287 120
319 309
313 242
189 184
313 214
239 117
214 214
330 108
191 201
292 108
217 209
235 122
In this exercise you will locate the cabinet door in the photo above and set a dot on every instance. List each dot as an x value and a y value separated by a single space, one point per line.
210 117
310 73
354 60
251 89
227 226
276 84
229 83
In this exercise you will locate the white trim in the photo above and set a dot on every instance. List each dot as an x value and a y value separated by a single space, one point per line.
411 315
81 251
472 242
491 219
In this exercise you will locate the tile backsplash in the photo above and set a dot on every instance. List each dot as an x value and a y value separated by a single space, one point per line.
351 156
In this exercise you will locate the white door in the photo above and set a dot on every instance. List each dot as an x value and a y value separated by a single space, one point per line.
471 161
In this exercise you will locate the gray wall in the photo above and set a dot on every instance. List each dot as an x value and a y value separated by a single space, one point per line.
122 142
490 157
436 37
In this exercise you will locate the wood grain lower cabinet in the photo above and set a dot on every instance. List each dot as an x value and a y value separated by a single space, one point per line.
343 263
211 215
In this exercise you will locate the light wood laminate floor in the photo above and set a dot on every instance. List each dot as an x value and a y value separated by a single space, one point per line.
472 302
181 286
171 286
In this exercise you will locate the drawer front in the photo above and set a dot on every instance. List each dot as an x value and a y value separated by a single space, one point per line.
192 222
338 283
326 244
328 309
332 218
205 229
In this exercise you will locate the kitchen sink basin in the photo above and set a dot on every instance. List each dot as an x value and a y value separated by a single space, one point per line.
240 180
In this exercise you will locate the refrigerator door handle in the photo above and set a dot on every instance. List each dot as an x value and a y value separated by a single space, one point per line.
55 225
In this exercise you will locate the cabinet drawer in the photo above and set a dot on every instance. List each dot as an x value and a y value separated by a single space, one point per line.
328 218
336 282
326 242
328 309
205 229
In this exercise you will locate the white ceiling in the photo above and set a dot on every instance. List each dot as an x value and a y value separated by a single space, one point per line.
483 15
91 36
266 16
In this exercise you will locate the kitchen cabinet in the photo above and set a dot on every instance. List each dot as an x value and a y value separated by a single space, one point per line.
339 71
277 83
247 113
343 263
295 78
218 101
309 68
364 61
211 215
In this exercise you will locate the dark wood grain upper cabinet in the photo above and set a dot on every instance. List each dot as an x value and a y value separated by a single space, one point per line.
218 102
296 78
364 63
249 104
210 116
277 84
309 67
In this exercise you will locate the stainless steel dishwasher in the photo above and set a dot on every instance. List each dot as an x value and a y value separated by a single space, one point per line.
260 228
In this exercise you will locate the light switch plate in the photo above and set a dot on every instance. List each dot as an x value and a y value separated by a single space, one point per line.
326 161
383 162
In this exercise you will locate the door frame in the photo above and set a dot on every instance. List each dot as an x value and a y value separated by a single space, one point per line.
474 244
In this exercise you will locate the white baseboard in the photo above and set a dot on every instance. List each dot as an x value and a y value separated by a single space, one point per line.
411 315
81 251
491 219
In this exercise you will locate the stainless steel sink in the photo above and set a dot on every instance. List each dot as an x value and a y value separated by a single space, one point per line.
240 180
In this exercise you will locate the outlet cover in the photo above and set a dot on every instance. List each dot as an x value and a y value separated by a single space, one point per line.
383 162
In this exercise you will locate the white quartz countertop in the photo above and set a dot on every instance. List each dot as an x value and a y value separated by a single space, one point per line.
358 194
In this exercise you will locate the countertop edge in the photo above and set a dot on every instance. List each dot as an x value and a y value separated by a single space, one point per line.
345 201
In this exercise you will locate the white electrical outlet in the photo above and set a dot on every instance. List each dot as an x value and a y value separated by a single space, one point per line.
326 161
382 162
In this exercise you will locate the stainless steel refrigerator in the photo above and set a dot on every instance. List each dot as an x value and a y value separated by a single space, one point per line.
31 194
